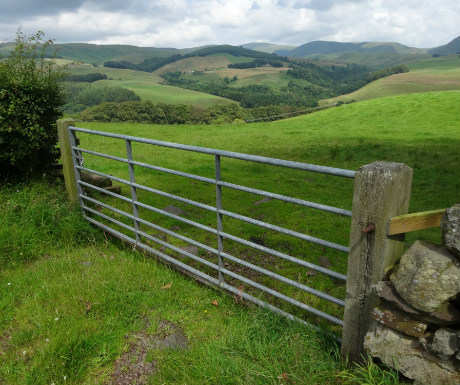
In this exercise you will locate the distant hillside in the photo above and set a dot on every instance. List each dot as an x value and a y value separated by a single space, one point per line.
451 48
5 49
371 60
233 50
92 53
332 47
153 63
98 54
268 47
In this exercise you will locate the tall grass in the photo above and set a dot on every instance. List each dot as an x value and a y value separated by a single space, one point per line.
36 219
69 306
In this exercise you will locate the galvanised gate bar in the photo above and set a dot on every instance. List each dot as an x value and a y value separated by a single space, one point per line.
219 232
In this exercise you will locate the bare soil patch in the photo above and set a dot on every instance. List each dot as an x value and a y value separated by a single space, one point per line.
132 367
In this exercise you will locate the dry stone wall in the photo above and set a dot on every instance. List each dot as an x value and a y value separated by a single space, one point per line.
416 325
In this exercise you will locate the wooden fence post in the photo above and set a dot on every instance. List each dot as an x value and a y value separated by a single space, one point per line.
381 191
66 157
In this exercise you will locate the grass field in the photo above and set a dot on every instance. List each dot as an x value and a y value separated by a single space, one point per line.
420 130
76 309
433 74
72 302
148 87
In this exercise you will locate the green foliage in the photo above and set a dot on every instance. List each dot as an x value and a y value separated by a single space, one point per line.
30 103
254 95
235 51
308 83
148 65
89 78
257 63
80 96
161 113
399 69
368 373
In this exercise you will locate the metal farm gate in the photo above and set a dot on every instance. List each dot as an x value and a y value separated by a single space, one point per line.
135 231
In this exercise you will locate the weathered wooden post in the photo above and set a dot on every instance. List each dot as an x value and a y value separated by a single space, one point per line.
381 191
66 157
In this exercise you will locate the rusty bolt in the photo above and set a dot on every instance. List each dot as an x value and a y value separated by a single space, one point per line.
369 229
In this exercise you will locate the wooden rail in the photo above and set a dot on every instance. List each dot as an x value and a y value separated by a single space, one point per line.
416 221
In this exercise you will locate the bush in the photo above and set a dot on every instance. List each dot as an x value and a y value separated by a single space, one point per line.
30 101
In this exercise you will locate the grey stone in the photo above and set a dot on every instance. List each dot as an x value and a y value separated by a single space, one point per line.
96 180
450 225
399 321
263 201
447 314
324 262
114 189
190 249
174 210
426 340
160 236
446 342
407 355
427 276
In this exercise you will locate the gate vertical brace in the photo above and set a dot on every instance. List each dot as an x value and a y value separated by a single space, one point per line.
68 167
77 160
381 191
220 243
129 152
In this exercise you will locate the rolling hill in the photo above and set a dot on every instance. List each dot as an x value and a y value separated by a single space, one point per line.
268 47
332 47
212 75
452 48
428 75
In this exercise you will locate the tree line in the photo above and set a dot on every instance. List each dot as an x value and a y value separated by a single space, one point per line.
79 96
162 113
85 78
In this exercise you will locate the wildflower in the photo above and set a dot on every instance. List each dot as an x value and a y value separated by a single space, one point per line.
9 283
56 319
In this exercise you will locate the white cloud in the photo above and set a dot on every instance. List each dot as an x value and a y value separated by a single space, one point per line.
187 23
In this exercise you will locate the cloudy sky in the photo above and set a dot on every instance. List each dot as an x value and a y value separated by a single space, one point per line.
192 23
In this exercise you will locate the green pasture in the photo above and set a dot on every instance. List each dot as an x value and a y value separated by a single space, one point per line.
430 75
441 63
420 130
197 63
371 60
427 74
233 59
148 86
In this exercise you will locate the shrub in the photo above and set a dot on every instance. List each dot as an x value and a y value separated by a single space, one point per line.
30 101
